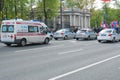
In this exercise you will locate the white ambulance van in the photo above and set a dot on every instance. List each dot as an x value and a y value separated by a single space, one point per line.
23 32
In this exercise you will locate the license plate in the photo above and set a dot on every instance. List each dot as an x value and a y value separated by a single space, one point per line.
103 34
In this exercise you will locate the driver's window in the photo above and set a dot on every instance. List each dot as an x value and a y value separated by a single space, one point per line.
43 30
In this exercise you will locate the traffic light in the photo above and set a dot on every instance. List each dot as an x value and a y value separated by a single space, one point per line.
1 4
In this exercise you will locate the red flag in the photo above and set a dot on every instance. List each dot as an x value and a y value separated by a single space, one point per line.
105 0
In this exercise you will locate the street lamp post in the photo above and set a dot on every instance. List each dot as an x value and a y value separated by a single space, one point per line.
105 13
61 12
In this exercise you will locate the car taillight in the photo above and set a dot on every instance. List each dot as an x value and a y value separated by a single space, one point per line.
109 34
61 33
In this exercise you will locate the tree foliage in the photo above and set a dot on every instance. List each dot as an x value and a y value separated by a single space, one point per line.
30 9
13 8
112 14
82 4
98 16
51 8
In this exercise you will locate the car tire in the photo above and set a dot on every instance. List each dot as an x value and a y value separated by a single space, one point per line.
99 41
23 42
46 41
66 37
56 38
7 44
77 39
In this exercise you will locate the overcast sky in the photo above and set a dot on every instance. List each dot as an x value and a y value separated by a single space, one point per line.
98 4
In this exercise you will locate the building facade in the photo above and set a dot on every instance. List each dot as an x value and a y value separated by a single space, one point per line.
73 18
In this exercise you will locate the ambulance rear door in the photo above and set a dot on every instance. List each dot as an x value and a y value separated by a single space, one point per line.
8 33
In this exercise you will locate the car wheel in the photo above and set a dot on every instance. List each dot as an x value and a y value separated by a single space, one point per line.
22 42
46 41
99 40
66 37
77 38
8 44
56 38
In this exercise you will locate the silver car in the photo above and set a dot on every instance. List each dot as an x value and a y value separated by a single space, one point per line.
108 35
64 34
85 34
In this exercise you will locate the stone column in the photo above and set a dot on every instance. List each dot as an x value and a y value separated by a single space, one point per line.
89 21
71 20
79 22
63 24
85 21
74 19
82 26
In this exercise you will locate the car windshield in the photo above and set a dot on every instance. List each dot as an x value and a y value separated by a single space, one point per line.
106 31
83 31
62 30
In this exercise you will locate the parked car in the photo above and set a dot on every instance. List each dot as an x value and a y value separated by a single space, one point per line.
64 34
108 35
85 34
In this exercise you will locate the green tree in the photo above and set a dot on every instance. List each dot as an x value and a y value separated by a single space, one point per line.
13 8
98 15
80 3
47 9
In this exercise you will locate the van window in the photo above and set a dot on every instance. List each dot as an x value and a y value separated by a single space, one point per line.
43 30
8 28
32 28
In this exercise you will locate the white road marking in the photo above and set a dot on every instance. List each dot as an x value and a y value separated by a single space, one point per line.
83 68
70 51
39 48
73 41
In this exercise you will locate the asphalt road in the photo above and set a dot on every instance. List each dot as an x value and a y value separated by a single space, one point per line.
61 60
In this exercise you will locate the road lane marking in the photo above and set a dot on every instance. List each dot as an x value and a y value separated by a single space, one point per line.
70 51
39 48
83 68
73 41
